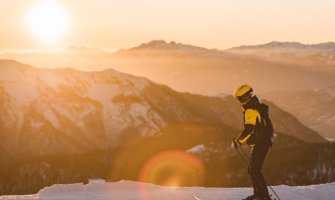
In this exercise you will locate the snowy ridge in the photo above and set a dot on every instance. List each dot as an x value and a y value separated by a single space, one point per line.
70 101
162 45
327 46
171 48
308 55
126 190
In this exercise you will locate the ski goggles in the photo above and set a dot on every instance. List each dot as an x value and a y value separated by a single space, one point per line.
244 98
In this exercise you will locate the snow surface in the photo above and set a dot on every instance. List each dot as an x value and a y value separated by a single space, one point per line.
127 190
197 149
48 114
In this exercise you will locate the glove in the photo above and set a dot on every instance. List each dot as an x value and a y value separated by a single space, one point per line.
234 143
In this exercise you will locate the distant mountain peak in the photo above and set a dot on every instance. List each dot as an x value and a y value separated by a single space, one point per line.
163 45
283 44
289 45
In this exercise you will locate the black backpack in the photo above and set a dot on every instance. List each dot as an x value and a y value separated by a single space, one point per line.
266 127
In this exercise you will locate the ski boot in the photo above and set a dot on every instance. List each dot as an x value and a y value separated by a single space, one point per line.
256 197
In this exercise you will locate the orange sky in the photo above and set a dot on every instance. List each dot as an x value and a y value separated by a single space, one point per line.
114 24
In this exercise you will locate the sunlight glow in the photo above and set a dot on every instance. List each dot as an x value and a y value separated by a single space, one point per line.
48 21
173 168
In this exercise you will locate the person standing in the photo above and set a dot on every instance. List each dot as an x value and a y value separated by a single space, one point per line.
257 133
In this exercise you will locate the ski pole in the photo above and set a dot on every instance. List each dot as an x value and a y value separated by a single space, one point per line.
244 156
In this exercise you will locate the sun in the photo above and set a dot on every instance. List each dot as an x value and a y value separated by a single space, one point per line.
48 21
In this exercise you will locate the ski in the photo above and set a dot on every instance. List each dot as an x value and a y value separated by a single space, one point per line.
196 198
260 199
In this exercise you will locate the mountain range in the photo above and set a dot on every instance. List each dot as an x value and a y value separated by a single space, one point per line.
306 55
188 68
284 67
65 110
64 125
315 108
210 71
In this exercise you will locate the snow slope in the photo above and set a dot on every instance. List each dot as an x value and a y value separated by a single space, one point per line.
126 190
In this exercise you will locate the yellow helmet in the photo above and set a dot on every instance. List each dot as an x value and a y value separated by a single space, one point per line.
243 93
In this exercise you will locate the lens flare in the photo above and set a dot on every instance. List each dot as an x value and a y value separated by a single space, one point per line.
173 168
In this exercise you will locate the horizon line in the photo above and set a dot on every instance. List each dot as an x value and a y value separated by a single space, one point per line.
4 51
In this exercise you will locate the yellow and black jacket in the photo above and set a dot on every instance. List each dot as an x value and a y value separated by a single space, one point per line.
257 124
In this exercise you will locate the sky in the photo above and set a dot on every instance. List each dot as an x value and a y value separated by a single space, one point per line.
221 24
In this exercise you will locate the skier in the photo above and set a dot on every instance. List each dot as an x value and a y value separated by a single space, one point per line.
257 133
